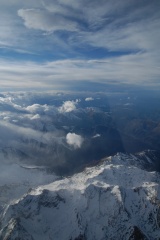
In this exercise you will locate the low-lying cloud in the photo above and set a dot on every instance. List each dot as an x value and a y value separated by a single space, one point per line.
74 140
89 99
68 106
96 135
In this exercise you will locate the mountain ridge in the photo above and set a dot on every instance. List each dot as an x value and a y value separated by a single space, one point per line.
117 199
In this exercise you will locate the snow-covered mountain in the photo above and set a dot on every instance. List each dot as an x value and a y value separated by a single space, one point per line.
118 199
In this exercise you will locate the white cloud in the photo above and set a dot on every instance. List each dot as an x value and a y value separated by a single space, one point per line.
74 140
89 99
45 20
37 108
134 68
125 27
36 116
96 136
41 109
68 106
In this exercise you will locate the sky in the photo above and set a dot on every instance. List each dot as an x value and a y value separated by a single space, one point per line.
50 44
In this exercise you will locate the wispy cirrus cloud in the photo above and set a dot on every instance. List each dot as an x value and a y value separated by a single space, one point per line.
134 68
93 40
46 21
111 24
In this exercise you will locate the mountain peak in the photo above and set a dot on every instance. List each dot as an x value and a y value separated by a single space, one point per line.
114 200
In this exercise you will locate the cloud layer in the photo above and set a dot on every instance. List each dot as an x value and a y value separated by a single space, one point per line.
48 43
133 69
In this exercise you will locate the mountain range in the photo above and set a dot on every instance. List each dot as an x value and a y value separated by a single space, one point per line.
117 199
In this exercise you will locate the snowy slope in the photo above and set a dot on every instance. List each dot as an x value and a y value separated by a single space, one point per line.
115 200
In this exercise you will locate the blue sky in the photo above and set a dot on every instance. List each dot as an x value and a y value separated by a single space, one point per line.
48 44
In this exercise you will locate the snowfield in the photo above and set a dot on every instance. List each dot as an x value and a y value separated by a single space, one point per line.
118 199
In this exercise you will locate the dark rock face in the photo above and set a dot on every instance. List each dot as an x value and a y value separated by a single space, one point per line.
137 234
81 237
